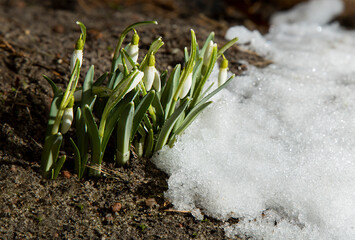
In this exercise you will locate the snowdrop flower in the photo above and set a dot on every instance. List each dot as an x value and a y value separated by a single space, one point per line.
137 78
149 73
222 75
132 51
187 86
68 116
208 53
77 54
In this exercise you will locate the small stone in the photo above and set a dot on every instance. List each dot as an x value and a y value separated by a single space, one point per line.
116 207
66 174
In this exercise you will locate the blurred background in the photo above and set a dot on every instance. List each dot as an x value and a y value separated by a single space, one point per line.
254 14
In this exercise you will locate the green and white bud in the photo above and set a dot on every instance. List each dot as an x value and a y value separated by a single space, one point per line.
133 49
187 86
208 53
77 54
149 73
68 117
222 75
137 78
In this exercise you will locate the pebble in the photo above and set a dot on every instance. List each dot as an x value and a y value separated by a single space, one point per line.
66 174
116 207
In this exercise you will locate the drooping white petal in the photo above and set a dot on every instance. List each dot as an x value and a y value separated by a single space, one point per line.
157 83
67 120
149 73
133 51
77 54
137 78
187 85
222 76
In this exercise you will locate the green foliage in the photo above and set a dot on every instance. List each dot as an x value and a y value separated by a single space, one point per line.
119 102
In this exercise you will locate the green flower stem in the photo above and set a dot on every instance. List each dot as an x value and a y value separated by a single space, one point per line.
69 92
226 46
122 37
189 66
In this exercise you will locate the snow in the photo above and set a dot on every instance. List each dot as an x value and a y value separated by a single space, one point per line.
277 146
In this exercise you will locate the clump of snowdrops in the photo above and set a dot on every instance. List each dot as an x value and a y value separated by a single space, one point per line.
133 101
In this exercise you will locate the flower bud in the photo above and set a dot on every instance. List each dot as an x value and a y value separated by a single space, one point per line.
222 75
149 73
68 116
67 120
133 48
208 53
77 54
187 86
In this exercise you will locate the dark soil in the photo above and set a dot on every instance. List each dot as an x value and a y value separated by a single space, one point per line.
37 37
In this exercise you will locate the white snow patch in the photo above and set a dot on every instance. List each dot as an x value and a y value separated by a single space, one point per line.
316 11
276 149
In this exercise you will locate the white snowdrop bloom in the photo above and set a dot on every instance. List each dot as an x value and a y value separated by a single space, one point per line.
187 86
77 54
67 120
133 48
149 73
133 51
208 52
222 75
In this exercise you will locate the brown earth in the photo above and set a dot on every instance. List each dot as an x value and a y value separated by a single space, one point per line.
37 37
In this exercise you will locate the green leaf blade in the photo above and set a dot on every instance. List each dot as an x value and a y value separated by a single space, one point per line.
93 134
168 126
141 110
124 130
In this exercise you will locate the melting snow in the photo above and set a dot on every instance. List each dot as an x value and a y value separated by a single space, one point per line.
277 148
